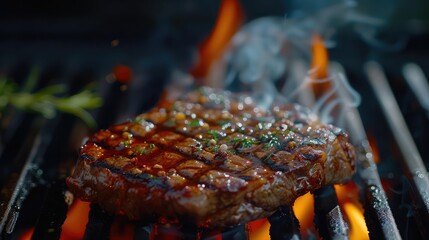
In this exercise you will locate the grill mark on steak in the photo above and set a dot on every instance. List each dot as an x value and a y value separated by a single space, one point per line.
213 156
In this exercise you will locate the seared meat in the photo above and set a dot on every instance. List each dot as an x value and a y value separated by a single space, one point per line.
212 158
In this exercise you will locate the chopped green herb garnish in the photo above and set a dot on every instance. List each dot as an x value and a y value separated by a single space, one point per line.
216 148
126 144
273 142
152 145
205 141
243 142
246 143
214 134
141 151
195 123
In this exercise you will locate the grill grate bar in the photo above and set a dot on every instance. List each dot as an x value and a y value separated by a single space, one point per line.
377 208
237 233
412 159
418 83
11 201
54 212
55 145
142 231
284 224
99 223
328 216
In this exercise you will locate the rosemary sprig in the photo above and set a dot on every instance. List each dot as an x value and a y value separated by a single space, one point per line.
48 100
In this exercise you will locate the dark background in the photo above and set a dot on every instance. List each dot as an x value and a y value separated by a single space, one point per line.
79 33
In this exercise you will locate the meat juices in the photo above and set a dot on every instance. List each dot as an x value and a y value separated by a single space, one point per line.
211 159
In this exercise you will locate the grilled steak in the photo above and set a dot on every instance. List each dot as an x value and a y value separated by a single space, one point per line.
211 158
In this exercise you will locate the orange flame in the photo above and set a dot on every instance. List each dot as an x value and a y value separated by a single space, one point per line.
259 229
304 212
358 229
320 57
27 234
228 22
373 144
348 197
319 65
75 223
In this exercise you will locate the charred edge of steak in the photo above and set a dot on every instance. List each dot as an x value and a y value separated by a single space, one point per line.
212 158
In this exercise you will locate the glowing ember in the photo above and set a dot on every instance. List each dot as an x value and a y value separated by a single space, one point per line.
75 223
348 197
259 229
304 212
319 65
228 22
122 73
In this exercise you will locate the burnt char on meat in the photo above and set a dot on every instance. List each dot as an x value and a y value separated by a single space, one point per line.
211 158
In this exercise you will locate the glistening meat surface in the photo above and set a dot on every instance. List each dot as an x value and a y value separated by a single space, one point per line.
211 158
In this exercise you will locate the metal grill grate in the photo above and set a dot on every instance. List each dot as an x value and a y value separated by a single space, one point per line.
38 154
